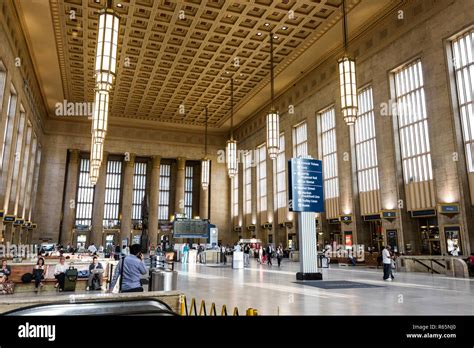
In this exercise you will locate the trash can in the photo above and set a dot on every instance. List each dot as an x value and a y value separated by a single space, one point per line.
323 261
163 280
238 260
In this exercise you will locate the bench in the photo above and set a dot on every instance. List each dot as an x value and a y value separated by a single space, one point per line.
18 270
370 260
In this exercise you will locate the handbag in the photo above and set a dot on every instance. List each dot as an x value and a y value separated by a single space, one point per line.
83 273
393 264
118 285
27 278
7 288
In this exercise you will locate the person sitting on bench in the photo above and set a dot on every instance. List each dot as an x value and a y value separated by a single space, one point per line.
60 273
95 270
5 271
38 273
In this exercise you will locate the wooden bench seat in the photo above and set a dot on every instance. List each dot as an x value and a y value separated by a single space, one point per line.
18 270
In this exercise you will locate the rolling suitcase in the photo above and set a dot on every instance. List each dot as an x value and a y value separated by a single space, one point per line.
70 279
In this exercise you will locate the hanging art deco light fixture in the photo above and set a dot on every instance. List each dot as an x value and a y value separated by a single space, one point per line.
100 115
105 70
205 163
273 118
107 43
231 143
97 151
347 79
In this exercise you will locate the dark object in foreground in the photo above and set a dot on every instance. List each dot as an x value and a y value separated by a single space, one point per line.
113 307
309 276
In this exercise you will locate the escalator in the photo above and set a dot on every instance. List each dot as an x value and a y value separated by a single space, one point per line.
119 307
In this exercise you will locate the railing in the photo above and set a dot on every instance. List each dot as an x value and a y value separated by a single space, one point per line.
192 309
434 264
429 268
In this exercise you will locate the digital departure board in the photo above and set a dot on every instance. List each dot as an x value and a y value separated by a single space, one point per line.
190 228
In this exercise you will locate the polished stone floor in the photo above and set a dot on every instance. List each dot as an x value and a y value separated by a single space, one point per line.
272 291
349 291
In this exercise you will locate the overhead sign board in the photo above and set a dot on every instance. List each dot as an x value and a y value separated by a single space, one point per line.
9 218
388 214
305 182
187 228
447 209
347 218
18 222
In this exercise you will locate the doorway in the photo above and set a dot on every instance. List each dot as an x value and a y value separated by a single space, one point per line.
292 242
374 229
81 241
429 232
392 240
335 236
109 240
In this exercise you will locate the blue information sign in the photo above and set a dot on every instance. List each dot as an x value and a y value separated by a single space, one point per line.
305 183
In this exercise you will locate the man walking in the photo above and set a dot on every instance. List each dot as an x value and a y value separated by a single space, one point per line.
269 254
387 263
246 255
130 269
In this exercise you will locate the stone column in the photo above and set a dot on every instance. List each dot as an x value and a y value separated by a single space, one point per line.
69 209
362 237
127 199
16 235
22 236
154 200
8 233
240 217
204 197
253 215
271 165
180 175
98 209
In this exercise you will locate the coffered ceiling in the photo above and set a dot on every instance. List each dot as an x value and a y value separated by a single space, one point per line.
182 53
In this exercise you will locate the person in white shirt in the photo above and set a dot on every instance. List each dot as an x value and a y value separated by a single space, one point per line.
387 263
260 254
92 249
125 251
60 273
450 244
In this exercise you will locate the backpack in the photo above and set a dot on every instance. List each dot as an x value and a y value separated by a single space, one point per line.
27 278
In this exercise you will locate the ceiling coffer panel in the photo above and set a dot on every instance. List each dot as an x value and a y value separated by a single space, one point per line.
174 53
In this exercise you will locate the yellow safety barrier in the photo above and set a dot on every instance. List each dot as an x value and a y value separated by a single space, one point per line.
202 309
213 309
193 306
192 310
183 310
251 312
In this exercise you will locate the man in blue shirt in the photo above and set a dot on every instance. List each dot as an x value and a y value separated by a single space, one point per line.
133 267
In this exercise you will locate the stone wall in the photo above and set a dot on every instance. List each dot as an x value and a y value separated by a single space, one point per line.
418 29
62 136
